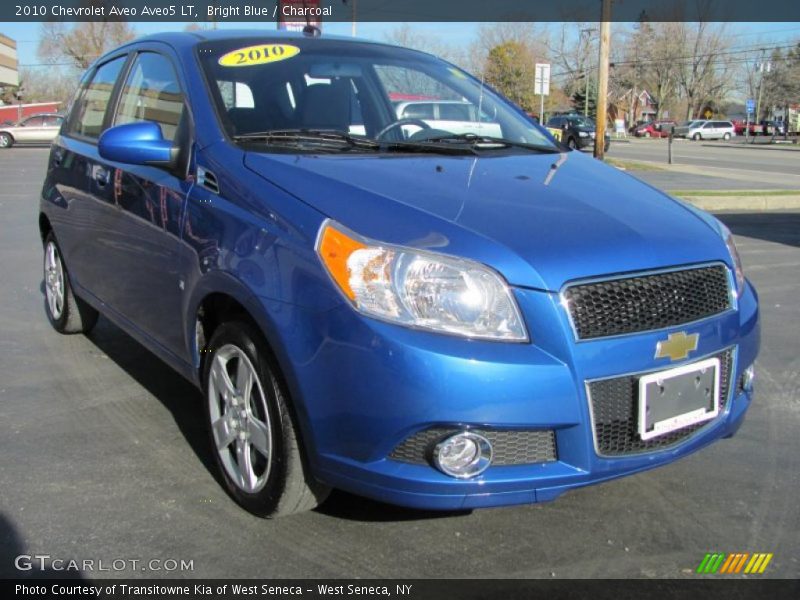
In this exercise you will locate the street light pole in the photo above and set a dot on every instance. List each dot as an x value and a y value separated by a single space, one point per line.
602 80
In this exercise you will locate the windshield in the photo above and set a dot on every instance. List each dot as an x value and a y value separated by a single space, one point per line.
296 88
581 122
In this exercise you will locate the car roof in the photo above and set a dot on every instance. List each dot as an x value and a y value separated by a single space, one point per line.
188 39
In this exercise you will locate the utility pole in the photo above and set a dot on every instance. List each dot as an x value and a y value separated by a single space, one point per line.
353 19
602 80
588 33
761 67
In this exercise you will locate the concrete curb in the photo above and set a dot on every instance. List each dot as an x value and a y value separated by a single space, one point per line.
744 203
793 147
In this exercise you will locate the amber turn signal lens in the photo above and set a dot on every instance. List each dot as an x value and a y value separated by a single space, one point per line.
335 248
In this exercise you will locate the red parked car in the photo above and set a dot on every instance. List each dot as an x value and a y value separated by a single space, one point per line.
655 129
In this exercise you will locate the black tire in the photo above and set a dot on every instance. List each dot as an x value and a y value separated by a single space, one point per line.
606 146
726 137
6 141
572 144
696 137
74 316
286 487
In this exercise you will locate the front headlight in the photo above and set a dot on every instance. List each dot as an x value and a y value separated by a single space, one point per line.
420 289
735 259
583 134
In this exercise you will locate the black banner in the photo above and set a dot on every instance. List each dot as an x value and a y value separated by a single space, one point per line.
222 11
416 589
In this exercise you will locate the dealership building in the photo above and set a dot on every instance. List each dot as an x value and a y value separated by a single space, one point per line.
8 62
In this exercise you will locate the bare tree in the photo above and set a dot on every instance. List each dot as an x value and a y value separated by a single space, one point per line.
48 85
83 42
704 72
408 37
649 63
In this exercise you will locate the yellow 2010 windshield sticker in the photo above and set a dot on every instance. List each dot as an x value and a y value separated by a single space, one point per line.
258 55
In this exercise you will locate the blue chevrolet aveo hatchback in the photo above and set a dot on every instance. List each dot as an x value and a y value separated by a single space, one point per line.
385 278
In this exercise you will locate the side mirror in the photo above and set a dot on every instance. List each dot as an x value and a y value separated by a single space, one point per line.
140 143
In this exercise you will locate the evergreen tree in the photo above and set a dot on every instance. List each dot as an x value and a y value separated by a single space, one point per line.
579 99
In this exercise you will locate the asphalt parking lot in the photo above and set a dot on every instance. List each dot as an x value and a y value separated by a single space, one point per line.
104 457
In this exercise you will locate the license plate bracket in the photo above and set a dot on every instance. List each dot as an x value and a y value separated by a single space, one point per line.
679 397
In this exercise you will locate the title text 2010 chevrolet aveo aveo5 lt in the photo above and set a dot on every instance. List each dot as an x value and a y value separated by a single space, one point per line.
443 313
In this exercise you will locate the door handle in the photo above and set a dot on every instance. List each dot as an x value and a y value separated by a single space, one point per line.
58 157
101 176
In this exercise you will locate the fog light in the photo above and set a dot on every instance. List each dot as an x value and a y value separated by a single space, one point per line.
747 378
463 455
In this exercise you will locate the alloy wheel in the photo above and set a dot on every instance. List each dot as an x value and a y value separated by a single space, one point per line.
240 422
54 280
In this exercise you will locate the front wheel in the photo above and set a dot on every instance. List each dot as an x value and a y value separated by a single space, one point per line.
254 438
66 312
696 137
726 137
6 141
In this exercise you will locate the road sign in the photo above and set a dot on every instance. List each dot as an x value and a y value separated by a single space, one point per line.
542 79
750 104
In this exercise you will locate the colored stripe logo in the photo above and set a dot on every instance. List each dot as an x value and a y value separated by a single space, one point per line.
737 562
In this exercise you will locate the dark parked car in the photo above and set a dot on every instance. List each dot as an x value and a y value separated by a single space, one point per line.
435 318
577 131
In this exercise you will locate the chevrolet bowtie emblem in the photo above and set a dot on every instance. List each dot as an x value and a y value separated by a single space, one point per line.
677 346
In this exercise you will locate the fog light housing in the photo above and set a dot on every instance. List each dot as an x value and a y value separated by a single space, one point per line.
748 377
463 455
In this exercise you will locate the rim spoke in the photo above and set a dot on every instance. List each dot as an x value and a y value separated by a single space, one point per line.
223 381
223 435
259 436
245 464
244 379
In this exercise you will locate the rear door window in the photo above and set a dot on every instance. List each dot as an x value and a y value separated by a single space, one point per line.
418 111
455 112
89 111
152 93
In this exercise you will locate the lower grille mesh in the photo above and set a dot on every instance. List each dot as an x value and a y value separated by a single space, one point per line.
509 447
615 408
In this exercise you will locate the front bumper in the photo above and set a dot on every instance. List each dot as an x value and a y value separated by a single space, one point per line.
365 386
588 142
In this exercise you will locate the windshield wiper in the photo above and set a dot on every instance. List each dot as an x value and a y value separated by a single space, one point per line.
487 141
308 136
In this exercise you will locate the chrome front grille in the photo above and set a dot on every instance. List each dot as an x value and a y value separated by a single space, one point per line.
647 302
614 404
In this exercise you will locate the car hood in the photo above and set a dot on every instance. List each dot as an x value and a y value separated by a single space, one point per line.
539 219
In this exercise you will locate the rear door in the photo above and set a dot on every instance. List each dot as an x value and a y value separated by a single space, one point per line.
142 278
82 223
50 127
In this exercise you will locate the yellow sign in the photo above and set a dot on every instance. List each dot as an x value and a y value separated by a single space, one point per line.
258 55
677 346
556 133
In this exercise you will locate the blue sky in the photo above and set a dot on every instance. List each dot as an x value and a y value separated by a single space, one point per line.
456 34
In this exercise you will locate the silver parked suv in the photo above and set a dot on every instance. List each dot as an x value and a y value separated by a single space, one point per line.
711 130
